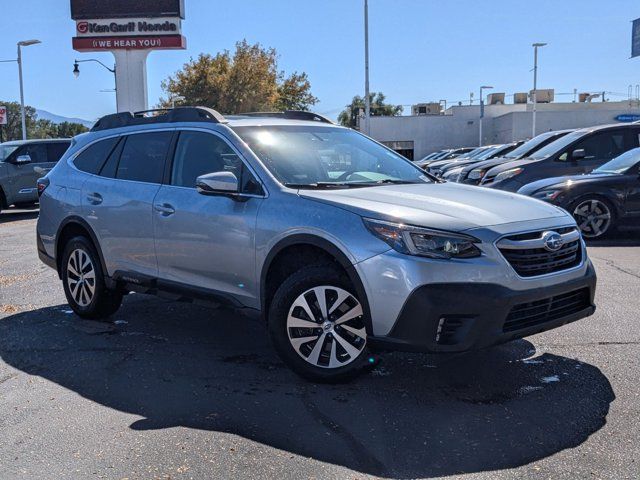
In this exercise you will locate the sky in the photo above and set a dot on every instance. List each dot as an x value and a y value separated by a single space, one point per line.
420 50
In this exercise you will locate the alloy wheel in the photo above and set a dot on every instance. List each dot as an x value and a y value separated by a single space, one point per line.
325 326
593 218
81 277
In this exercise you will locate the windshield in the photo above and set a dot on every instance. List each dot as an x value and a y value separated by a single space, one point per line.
557 145
315 157
6 150
487 153
621 163
526 147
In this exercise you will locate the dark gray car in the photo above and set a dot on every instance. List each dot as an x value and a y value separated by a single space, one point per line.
22 163
578 152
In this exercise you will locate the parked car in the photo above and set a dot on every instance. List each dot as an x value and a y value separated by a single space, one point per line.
452 171
577 152
475 151
339 241
21 164
600 201
435 167
473 173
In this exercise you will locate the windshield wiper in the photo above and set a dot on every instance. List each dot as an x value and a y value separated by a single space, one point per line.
321 185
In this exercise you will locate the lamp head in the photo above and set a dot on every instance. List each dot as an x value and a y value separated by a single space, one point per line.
76 70
26 43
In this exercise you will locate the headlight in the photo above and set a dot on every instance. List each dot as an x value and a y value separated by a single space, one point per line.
508 174
476 174
547 195
422 241
453 174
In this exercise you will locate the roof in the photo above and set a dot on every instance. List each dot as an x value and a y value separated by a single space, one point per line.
239 121
37 140
164 116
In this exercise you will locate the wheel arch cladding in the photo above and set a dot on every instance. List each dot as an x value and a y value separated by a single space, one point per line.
292 253
73 227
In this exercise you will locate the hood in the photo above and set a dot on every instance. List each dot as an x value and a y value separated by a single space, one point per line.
564 182
446 206
487 164
513 164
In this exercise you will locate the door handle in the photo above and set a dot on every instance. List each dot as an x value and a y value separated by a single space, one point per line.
164 209
94 198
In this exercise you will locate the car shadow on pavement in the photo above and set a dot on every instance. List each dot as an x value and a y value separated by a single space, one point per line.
178 364
7 216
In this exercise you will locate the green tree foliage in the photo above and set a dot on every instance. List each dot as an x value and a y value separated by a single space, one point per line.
246 81
36 127
348 117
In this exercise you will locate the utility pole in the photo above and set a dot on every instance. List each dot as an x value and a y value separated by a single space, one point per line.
484 87
367 99
535 85
24 43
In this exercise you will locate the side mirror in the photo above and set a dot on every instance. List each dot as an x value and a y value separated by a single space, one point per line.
578 154
217 183
22 159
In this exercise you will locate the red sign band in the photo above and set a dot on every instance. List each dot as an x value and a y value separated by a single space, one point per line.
153 42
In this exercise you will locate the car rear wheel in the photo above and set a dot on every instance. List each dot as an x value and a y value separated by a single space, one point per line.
317 325
595 217
83 281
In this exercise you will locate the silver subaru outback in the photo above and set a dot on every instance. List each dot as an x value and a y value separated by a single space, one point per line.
341 243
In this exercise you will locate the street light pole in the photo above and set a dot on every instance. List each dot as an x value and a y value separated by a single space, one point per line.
24 43
535 85
76 72
367 99
484 87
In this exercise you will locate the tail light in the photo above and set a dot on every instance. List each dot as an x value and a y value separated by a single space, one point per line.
42 183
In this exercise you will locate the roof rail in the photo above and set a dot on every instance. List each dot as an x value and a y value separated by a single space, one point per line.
290 115
162 115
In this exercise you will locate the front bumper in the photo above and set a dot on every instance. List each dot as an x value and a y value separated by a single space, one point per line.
455 317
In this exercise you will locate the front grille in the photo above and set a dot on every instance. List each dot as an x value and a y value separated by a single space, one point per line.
529 257
531 314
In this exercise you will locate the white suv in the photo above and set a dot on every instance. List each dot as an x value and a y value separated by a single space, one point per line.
340 242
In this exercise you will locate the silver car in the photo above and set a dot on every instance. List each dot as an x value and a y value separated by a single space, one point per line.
341 243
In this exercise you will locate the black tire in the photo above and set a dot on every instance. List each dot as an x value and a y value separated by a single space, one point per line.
610 228
293 288
103 302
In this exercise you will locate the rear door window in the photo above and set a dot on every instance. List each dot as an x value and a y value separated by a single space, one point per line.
93 157
56 150
143 156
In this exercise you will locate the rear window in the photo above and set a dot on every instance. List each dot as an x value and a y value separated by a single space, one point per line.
143 156
56 150
93 157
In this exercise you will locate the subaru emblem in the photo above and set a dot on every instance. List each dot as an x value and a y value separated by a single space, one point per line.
552 241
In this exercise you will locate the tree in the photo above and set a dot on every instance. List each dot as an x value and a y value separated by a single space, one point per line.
349 116
246 81
13 129
36 127
70 129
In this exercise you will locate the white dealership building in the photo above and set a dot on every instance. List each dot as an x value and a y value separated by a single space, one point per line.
421 133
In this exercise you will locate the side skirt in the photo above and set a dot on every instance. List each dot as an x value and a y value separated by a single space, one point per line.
172 290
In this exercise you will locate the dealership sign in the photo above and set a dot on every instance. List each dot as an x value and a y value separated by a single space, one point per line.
128 26
148 42
92 9
3 115
635 38
628 117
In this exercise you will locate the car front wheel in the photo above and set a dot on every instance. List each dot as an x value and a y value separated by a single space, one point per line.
595 217
317 325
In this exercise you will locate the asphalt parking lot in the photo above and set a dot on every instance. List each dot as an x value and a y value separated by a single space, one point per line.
176 390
